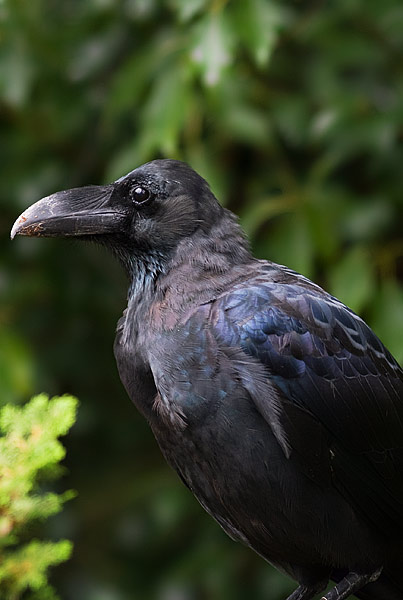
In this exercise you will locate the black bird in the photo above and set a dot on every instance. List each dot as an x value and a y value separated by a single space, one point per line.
275 403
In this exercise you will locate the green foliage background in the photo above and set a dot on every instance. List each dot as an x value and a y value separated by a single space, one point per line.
30 453
293 111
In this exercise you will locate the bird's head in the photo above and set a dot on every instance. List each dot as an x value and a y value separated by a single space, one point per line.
149 210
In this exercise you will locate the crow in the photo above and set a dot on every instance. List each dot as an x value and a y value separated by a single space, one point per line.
276 404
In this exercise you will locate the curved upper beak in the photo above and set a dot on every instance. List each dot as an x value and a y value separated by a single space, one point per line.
76 212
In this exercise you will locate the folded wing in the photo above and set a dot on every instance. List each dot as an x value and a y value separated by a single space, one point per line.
339 412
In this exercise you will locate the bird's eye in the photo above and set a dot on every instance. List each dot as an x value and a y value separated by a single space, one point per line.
139 195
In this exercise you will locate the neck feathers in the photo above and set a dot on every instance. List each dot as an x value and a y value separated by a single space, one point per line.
144 270
201 267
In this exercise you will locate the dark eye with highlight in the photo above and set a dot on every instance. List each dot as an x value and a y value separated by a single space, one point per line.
139 195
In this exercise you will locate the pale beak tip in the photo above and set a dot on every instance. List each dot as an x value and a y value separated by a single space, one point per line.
18 226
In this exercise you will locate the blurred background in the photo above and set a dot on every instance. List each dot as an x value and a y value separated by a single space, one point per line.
293 111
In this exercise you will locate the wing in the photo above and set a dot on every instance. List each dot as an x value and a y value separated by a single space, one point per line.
340 406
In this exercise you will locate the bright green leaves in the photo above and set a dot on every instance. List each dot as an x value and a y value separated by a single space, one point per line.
229 26
26 569
30 450
258 23
166 111
186 82
187 9
213 47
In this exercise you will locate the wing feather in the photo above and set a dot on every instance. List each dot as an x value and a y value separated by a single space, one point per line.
328 365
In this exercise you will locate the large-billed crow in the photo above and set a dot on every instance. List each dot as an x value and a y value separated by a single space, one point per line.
276 404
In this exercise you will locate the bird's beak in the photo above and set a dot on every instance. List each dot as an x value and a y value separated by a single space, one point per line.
82 211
